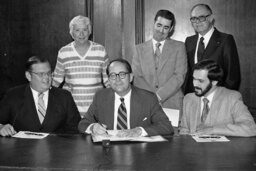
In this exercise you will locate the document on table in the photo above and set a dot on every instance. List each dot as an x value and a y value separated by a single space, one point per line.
112 136
30 135
210 138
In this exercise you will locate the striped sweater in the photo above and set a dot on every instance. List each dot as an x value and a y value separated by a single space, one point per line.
83 75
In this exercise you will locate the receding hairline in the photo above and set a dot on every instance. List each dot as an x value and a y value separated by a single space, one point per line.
205 6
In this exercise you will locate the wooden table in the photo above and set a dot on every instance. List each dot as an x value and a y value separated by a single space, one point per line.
78 152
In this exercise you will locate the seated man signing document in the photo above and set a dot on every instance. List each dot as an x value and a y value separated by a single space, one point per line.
133 111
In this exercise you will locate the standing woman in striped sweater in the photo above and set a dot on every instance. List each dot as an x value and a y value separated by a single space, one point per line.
81 65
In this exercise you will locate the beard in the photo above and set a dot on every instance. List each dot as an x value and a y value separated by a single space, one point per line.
203 92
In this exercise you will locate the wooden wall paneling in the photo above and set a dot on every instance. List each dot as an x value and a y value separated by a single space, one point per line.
129 19
50 25
108 26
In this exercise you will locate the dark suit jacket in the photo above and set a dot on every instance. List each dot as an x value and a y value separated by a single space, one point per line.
168 79
144 104
18 109
228 114
222 49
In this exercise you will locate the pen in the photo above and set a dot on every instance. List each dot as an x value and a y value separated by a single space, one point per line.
104 126
31 133
210 137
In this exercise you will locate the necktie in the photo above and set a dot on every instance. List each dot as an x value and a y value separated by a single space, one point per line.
200 50
122 116
41 107
205 110
157 54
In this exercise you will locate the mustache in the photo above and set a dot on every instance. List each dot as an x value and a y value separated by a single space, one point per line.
197 88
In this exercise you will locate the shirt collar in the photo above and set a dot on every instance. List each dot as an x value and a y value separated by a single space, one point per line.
207 36
126 97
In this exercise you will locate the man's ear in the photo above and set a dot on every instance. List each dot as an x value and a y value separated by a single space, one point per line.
28 76
215 82
131 77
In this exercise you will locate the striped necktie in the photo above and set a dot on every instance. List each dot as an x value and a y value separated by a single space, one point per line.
157 54
205 110
41 107
122 116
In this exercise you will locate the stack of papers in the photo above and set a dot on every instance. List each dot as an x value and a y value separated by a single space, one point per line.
209 138
30 135
112 136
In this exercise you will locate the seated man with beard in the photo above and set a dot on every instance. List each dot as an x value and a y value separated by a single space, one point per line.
213 109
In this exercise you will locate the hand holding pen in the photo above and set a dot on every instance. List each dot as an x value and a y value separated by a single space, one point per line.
99 128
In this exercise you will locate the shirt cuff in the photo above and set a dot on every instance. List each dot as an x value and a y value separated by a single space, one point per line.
88 130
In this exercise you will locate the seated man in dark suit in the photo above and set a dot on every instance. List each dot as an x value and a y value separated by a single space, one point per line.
133 111
213 109
37 106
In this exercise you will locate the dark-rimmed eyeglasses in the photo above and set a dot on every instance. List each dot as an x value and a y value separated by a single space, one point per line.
121 75
201 18
42 74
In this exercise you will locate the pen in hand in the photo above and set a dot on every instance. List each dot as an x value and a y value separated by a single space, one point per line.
104 126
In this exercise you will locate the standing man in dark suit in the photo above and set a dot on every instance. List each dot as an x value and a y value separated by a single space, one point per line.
133 111
160 64
209 43
37 106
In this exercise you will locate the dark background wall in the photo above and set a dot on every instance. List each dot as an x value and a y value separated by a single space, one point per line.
40 27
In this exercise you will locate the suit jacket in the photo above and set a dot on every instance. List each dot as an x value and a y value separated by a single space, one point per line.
222 49
228 114
18 109
168 79
143 105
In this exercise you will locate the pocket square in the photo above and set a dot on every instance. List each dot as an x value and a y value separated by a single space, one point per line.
145 118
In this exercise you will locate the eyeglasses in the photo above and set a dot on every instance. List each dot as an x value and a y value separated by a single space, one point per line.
201 18
42 74
121 75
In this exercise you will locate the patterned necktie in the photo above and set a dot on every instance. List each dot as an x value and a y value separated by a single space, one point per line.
122 116
157 54
205 110
200 50
41 107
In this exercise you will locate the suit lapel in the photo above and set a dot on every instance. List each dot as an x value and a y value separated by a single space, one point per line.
148 58
165 54
192 49
214 42
134 108
30 106
109 102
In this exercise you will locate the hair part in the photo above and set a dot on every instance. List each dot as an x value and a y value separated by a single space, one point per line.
123 61
215 72
165 14
35 60
79 19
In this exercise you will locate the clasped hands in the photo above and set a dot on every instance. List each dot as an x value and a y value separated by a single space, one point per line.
7 130
203 130
101 129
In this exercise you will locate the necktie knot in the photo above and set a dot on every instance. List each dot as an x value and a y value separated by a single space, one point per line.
205 100
122 99
202 40
158 44
40 95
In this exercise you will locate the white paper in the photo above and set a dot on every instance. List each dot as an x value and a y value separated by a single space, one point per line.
173 116
112 136
30 135
210 138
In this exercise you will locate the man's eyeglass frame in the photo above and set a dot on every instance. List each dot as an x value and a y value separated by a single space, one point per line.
121 75
201 18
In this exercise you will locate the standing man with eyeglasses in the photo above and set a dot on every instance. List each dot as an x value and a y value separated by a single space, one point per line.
133 111
37 106
160 64
209 43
